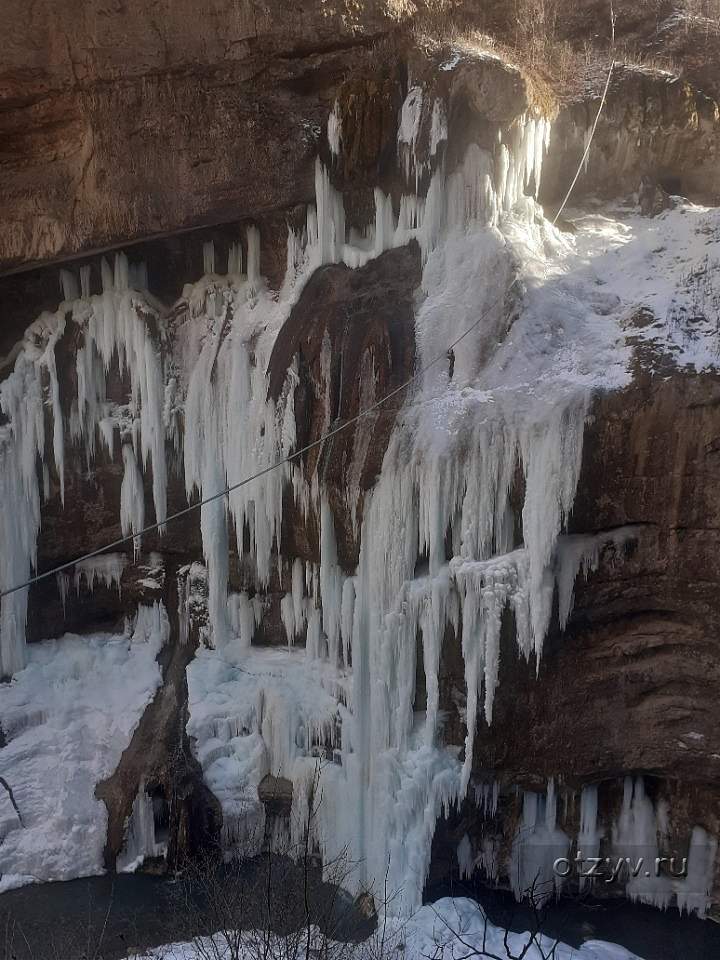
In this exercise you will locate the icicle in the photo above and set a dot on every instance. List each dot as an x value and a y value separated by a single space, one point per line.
68 285
334 130
438 126
132 498
106 568
19 525
151 624
253 257
588 842
577 554
208 258
140 841
408 130
63 583
121 277
235 260
537 845
85 282
243 619
330 217
694 892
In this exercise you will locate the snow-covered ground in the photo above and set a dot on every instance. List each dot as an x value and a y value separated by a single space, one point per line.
67 718
668 264
449 929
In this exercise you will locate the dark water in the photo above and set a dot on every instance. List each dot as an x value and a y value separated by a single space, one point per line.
109 917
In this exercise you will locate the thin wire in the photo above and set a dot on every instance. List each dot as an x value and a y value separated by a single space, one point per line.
597 116
347 423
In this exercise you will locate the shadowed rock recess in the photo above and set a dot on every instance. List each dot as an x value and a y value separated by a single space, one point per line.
483 616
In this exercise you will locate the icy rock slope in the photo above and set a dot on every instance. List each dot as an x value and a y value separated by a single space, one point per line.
67 717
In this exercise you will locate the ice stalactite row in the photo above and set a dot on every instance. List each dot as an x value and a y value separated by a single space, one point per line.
116 331
486 185
638 834
231 430
106 569
150 623
632 851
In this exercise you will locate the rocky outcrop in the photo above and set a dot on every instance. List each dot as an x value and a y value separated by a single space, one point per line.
160 762
120 123
363 320
638 661
629 685
653 124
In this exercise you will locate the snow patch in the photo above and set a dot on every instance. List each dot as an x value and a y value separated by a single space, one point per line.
68 716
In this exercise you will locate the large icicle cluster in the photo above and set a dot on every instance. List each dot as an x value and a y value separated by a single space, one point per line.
438 541
116 328
22 443
634 850
461 534
438 535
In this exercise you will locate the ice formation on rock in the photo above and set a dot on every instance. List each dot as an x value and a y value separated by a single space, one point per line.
537 846
74 708
116 329
578 554
588 841
442 498
140 841
106 569
633 853
334 130
637 836
442 502
463 527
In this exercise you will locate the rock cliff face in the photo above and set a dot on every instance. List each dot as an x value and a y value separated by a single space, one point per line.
491 600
